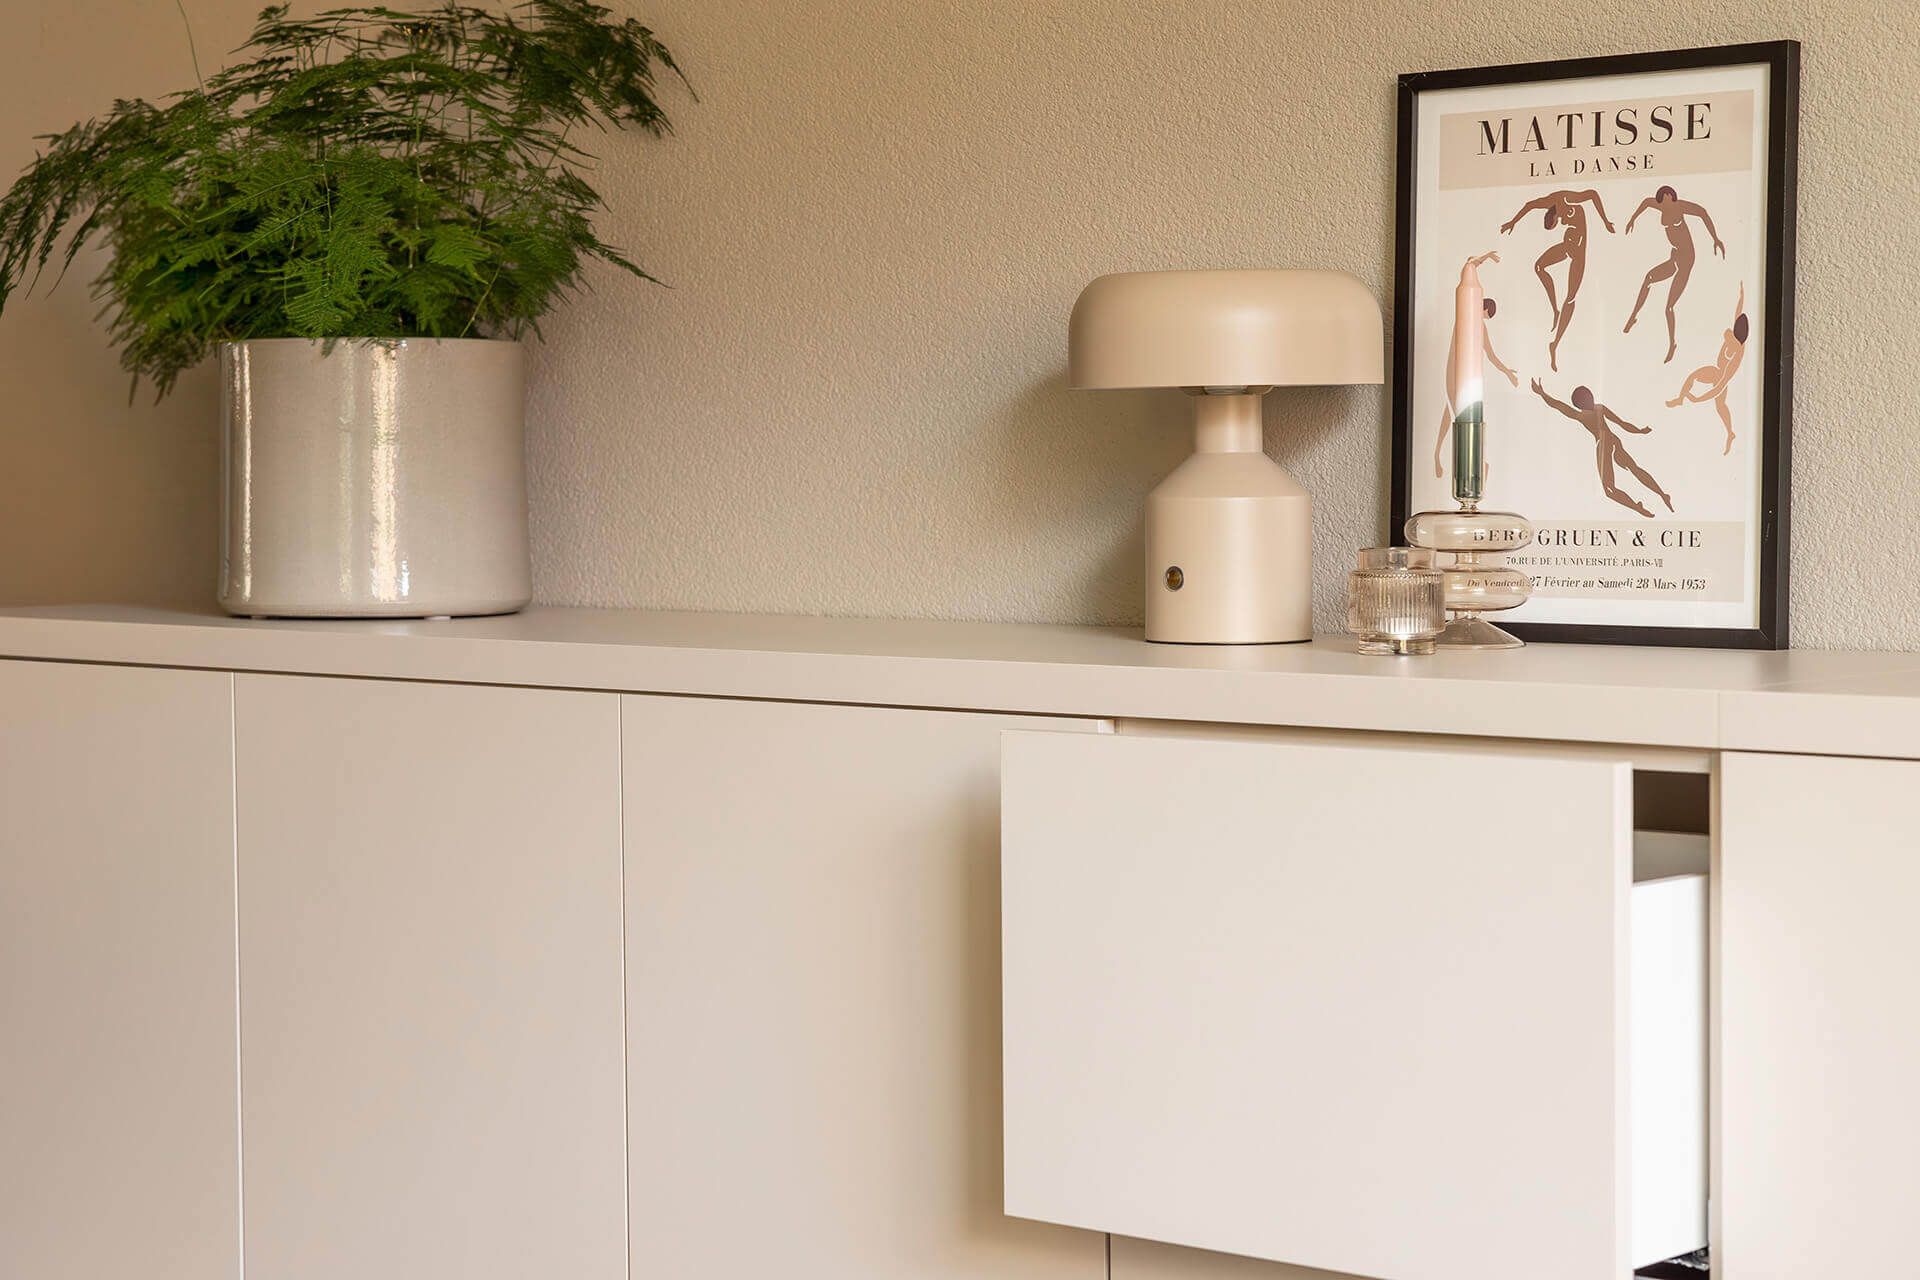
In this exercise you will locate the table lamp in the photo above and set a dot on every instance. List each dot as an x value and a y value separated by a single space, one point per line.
1229 534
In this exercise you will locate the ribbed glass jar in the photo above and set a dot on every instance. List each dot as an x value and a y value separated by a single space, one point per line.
1396 600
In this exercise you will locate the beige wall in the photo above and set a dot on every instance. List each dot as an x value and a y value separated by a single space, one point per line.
875 221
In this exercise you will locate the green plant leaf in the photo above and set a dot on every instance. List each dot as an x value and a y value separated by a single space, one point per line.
366 172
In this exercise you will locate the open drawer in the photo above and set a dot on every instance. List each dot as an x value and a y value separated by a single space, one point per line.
1354 1008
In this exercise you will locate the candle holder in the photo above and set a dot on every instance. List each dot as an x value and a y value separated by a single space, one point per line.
1396 601
1474 543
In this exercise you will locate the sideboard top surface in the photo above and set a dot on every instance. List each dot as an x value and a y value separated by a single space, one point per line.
1814 701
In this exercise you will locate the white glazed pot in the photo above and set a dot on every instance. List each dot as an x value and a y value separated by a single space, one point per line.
381 478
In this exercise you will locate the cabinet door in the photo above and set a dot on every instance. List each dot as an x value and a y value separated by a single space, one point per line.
1819 874
431 1042
813 996
1342 1007
119 1146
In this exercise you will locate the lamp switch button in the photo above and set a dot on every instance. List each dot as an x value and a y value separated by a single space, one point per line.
1175 578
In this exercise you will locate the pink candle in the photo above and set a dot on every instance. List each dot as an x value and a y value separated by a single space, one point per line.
1463 379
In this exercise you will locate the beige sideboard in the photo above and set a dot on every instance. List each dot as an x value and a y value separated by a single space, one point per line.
591 943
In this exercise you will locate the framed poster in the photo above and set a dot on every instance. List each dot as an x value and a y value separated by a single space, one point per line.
1633 223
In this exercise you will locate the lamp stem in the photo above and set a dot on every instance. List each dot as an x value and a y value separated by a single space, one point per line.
1227 423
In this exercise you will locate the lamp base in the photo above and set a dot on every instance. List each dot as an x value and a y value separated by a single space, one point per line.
1229 553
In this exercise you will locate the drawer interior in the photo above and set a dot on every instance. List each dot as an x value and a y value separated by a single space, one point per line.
1678 803
1672 858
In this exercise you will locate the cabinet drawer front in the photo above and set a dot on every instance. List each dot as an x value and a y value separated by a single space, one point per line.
1351 1008
1819 1025
813 972
430 957
119 1147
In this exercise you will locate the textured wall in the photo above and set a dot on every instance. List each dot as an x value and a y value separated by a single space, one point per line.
874 223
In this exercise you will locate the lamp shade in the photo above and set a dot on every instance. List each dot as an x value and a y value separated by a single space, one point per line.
1224 329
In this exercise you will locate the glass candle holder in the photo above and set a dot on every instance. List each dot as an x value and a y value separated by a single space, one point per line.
1396 600
1474 545
1474 542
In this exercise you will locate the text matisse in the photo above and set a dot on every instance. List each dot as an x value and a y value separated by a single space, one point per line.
1494 146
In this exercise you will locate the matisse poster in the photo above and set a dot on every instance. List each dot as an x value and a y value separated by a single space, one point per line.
1630 227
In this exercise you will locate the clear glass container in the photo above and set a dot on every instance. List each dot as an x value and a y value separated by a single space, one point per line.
1472 545
1396 600
1475 585
1469 529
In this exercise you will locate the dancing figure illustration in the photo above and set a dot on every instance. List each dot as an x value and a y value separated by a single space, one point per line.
1678 267
1449 409
1562 210
1608 450
1715 378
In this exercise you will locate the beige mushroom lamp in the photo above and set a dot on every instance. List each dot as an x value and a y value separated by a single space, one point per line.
1229 534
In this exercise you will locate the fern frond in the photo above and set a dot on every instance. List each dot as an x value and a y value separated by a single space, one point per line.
366 172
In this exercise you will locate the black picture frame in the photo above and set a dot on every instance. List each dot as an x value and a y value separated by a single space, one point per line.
1782 58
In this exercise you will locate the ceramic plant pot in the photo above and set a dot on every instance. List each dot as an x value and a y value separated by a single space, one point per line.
378 478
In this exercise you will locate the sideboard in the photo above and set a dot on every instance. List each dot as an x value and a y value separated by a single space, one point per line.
597 943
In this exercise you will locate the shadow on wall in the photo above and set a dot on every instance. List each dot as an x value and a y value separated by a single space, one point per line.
1303 429
1076 468
1299 420
110 500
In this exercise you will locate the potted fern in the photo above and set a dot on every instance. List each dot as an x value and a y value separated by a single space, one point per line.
363 216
